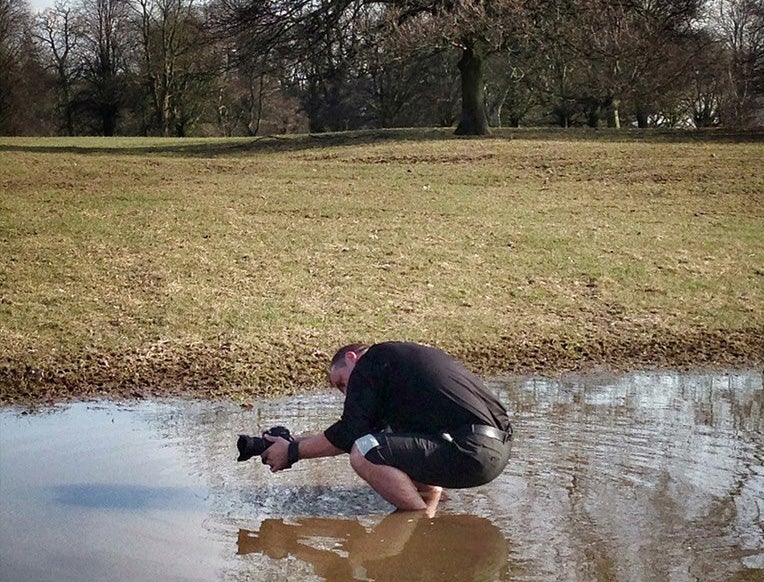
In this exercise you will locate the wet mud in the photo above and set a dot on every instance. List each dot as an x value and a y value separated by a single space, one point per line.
223 370
643 476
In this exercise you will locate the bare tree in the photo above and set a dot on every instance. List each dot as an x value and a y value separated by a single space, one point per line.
304 27
508 94
478 29
555 61
169 36
631 52
739 25
15 51
410 84
331 76
58 29
106 43
709 89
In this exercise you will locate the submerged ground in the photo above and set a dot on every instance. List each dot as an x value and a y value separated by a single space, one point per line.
233 268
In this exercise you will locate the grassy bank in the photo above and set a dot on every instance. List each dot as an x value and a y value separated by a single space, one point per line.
232 268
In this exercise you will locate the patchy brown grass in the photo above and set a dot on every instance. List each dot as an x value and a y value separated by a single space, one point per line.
231 268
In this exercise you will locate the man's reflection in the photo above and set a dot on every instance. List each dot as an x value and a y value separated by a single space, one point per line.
403 546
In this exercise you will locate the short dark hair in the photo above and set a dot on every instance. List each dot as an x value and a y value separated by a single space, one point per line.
339 357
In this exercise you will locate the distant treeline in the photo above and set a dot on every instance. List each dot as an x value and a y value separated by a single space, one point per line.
248 67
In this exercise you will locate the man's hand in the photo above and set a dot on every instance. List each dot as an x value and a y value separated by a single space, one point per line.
275 456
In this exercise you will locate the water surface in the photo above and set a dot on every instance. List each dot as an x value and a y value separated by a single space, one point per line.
646 476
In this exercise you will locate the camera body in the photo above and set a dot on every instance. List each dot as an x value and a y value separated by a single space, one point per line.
252 446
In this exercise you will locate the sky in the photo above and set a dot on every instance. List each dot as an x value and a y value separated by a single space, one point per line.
40 4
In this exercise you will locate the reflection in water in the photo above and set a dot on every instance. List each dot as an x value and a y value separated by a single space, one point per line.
126 497
400 547
649 476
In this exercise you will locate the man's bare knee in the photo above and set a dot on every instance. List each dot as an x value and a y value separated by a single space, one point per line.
357 460
425 488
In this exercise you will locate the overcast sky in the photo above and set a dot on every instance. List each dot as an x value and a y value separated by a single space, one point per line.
40 4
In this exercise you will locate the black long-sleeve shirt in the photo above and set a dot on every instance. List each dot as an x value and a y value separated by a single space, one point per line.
412 388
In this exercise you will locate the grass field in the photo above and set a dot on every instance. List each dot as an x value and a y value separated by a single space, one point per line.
233 268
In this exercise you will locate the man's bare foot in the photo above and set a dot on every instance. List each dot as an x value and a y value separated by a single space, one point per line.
431 497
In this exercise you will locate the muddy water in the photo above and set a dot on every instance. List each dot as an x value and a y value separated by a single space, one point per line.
647 476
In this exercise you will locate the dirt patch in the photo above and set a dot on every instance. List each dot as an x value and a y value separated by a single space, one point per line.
224 370
458 158
215 370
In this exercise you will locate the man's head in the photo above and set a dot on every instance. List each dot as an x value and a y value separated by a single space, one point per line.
343 363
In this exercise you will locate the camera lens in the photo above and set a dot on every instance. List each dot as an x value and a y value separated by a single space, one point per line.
250 446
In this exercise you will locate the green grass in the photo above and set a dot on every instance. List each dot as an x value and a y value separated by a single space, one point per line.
214 266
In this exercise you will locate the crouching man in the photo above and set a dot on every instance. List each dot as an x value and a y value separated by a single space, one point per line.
415 420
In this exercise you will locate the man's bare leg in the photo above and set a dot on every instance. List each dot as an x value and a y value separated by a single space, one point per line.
392 484
395 486
431 495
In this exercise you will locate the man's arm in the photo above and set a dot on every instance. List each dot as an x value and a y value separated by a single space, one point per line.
309 447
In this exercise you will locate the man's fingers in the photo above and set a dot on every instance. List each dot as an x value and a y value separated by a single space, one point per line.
265 457
271 456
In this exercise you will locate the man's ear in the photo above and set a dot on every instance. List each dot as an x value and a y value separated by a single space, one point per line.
351 357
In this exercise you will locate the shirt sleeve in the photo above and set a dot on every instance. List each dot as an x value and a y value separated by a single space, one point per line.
361 413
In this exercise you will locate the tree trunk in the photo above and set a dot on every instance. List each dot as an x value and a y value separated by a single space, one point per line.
256 105
474 120
594 113
494 109
614 118
108 120
166 112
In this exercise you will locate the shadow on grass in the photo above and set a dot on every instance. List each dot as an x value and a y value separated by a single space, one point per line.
221 147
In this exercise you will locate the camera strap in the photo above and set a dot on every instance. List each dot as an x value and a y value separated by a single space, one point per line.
293 453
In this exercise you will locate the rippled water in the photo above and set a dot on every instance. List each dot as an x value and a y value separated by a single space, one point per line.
647 476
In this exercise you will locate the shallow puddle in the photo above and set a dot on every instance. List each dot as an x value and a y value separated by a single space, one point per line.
647 476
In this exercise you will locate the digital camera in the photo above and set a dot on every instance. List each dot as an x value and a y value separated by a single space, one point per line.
252 446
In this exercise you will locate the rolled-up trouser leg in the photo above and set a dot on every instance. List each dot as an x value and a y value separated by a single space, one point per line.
469 461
